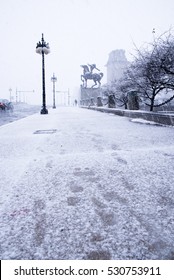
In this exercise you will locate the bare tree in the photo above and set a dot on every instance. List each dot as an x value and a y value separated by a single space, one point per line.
117 89
152 72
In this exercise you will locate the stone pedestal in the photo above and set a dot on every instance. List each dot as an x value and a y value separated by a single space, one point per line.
89 93
111 101
133 102
99 101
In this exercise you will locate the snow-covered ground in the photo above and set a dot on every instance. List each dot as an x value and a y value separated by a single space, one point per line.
81 184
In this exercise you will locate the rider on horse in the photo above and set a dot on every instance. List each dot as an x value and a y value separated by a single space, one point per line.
92 67
88 75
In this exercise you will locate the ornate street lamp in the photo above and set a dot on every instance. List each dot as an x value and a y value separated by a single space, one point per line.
54 79
43 48
10 90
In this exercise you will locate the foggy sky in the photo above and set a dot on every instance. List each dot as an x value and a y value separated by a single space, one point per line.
78 31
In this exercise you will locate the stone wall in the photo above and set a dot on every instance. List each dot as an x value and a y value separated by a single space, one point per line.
161 118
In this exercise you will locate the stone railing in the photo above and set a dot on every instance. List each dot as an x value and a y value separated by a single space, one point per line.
161 118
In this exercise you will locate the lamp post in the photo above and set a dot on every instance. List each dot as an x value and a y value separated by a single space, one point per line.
10 90
68 98
43 48
54 79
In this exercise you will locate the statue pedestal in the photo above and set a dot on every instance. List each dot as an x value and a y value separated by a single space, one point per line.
87 94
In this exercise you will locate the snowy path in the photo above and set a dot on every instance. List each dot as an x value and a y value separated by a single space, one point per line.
101 187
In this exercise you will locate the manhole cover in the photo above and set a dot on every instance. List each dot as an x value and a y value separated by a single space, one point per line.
45 131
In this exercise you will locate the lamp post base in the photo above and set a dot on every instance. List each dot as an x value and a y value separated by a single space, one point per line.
44 111
54 107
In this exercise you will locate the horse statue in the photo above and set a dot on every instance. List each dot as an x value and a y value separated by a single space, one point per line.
88 75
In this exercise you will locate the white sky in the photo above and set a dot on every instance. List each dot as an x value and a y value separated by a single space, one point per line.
78 31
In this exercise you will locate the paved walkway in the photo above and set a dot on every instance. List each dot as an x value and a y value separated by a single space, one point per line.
80 184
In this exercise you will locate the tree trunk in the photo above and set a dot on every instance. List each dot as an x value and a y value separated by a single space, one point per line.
152 103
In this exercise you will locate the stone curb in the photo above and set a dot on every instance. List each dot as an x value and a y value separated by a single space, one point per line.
161 118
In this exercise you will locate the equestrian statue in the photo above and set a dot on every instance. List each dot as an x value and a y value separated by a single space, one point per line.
89 75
